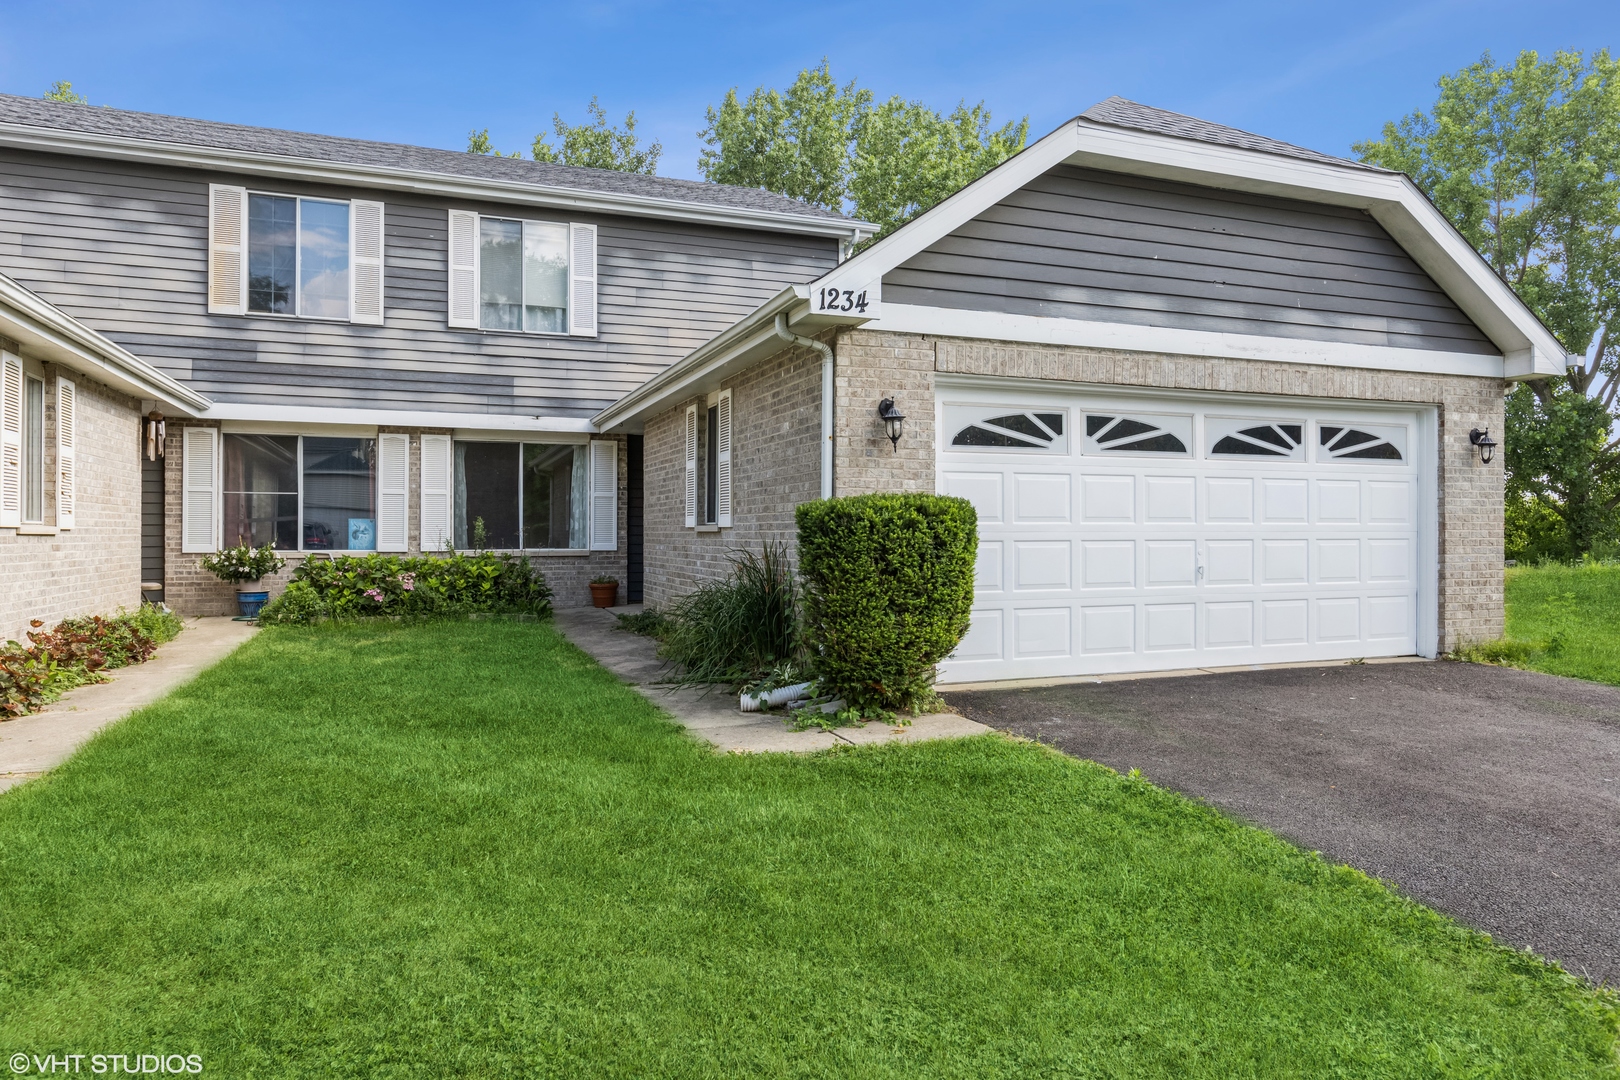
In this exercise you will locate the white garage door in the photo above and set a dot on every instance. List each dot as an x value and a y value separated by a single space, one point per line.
1148 533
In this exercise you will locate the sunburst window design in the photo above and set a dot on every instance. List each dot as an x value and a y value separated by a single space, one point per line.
1247 438
1340 443
1014 430
1114 434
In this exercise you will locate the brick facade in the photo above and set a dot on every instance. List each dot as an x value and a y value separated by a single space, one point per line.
193 591
93 568
778 466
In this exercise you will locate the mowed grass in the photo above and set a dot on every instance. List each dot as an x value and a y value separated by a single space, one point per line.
465 850
1568 619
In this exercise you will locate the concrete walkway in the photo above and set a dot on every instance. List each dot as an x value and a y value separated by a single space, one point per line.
713 714
41 741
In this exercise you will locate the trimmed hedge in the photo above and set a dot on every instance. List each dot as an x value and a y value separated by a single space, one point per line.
353 586
888 583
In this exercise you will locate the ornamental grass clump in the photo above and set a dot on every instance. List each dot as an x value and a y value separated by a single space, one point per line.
888 584
358 586
736 631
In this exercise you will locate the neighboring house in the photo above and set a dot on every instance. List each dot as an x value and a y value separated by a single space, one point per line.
73 439
354 345
1211 394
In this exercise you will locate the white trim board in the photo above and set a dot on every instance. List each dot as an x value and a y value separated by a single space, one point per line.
303 417
1039 330
382 177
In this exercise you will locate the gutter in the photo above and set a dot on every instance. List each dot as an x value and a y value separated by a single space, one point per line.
57 140
43 327
826 352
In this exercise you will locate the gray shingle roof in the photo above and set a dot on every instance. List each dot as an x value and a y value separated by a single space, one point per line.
1120 112
100 120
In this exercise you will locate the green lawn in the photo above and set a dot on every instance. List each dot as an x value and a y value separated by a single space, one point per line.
1565 620
464 850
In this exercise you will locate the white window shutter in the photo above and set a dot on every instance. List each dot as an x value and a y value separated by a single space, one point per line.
393 491
438 462
464 269
11 423
67 416
199 505
366 263
604 495
582 280
227 250
691 465
722 457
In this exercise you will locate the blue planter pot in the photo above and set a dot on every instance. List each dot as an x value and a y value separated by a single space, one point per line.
249 603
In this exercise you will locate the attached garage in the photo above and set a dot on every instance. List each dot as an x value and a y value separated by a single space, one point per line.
1127 532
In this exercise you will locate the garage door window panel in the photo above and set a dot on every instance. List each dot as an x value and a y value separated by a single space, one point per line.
1114 433
1360 444
1238 437
1002 429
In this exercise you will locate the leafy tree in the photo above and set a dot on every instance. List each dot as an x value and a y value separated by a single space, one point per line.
599 145
1525 162
596 145
63 91
833 147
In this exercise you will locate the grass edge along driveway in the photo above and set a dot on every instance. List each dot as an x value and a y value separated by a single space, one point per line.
465 849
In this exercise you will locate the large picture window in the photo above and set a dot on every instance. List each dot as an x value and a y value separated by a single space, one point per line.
298 256
309 493
521 495
523 275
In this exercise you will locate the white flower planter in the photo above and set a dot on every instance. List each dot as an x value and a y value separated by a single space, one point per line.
770 699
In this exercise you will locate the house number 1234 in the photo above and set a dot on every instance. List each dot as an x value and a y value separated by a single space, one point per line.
841 300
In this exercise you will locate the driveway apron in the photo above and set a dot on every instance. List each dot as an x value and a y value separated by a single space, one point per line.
1488 793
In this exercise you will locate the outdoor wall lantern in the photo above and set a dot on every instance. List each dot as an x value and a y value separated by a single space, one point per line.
1486 444
893 419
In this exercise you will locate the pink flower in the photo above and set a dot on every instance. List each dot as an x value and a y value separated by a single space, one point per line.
376 594
407 582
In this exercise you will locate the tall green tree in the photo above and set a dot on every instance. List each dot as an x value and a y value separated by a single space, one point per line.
835 147
1525 162
63 91
593 145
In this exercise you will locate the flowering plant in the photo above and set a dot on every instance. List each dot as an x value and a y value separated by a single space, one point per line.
243 563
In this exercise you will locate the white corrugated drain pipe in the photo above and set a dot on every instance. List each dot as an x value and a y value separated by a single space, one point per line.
826 352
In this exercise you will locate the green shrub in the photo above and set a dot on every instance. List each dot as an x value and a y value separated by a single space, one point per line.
736 630
888 583
354 586
243 563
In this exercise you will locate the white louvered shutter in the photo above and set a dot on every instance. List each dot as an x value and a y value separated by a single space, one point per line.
691 465
604 495
67 417
227 250
722 457
11 423
393 492
366 262
438 463
464 269
199 505
582 280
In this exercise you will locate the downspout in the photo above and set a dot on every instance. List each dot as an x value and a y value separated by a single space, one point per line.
826 352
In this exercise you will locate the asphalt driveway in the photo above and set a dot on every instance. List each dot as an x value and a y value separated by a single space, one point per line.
1488 793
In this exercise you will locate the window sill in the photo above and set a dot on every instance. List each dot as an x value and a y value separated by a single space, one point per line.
36 530
707 528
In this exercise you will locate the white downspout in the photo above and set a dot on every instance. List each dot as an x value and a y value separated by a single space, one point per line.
826 352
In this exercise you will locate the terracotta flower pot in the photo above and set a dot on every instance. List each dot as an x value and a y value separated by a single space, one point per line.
604 593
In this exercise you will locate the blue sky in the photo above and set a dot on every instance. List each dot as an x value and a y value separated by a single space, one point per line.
1321 74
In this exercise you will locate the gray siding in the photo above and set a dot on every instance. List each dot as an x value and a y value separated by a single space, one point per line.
1080 244
123 248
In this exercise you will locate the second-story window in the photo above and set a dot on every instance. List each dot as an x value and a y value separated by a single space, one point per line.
523 275
298 256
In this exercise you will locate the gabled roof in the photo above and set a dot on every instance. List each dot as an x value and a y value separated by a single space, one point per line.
1122 136
52 334
100 130
1124 113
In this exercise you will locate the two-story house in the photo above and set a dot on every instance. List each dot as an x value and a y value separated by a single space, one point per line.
345 345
